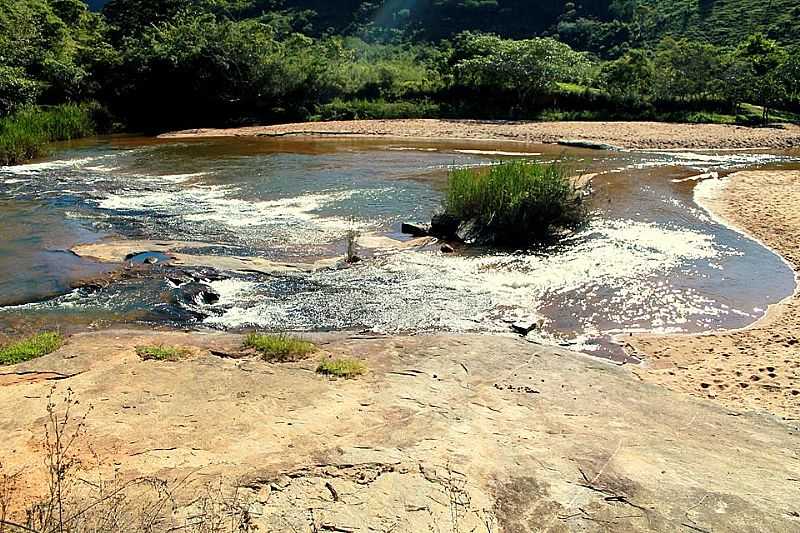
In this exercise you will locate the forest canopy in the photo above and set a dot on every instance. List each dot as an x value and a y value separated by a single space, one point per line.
156 64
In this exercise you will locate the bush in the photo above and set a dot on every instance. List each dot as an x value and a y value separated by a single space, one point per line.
30 348
161 353
25 134
341 368
279 348
376 109
514 203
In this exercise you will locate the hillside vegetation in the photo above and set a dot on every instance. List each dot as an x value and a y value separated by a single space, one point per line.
162 64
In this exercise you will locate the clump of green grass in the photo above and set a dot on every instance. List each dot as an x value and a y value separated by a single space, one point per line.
161 353
25 134
514 203
341 368
279 348
30 348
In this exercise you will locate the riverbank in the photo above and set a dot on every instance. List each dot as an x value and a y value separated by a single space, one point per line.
446 432
633 135
758 367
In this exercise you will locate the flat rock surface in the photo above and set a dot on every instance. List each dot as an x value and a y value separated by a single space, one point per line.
444 433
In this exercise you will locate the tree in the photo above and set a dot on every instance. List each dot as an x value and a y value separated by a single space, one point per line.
763 58
630 76
527 67
686 69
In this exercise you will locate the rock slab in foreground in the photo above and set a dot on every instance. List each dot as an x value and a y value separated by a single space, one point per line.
454 433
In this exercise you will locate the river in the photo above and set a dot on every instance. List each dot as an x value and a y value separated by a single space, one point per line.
650 259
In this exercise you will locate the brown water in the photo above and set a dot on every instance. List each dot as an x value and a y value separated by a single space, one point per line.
649 260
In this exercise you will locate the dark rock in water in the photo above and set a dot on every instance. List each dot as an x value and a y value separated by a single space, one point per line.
177 281
585 143
415 230
207 275
447 249
147 258
197 294
353 260
444 226
467 232
524 327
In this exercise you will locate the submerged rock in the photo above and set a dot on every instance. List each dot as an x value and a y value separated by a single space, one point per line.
585 143
524 327
197 294
444 226
415 230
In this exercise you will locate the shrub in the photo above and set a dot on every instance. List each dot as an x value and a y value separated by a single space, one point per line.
341 368
161 353
376 109
30 348
515 203
279 348
25 134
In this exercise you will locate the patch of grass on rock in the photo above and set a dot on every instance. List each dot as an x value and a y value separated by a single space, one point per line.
341 367
279 348
30 348
161 353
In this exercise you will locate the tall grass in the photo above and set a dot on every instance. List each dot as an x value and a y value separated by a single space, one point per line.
514 203
25 134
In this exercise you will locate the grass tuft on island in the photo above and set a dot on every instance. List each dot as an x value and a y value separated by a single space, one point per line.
25 134
30 348
341 368
279 348
514 203
161 353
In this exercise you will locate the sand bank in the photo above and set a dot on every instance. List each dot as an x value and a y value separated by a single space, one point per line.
757 367
644 135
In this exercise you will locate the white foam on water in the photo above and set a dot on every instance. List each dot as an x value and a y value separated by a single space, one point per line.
176 178
498 152
297 217
33 168
232 290
707 161
423 290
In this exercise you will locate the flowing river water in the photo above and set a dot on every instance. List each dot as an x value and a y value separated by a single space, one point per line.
650 258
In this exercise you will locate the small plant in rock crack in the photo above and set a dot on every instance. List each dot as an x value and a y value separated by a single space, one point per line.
279 348
161 353
351 239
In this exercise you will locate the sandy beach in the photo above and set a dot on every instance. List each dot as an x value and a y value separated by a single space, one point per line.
758 367
639 135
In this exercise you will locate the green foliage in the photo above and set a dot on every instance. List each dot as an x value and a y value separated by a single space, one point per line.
279 348
527 67
376 109
341 368
166 64
726 23
25 134
161 353
49 50
30 348
630 76
515 202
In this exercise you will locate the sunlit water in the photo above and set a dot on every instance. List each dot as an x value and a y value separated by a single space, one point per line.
650 259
